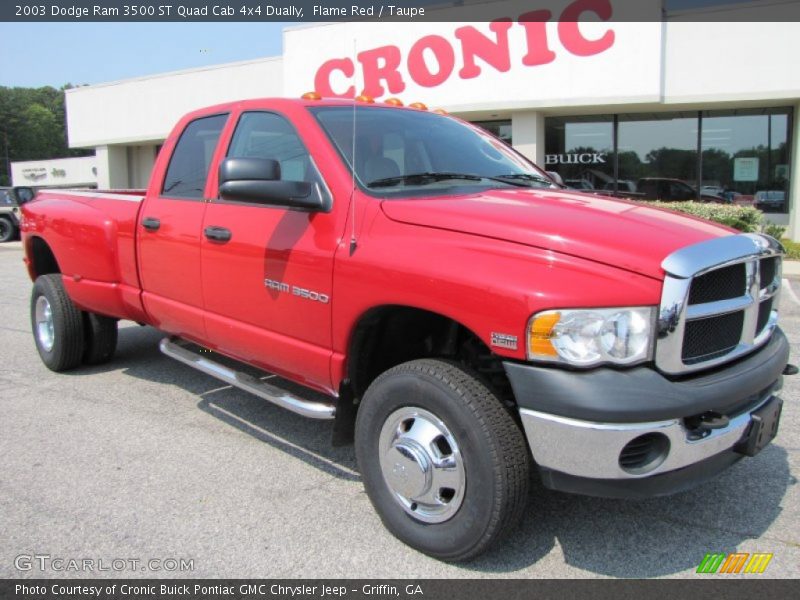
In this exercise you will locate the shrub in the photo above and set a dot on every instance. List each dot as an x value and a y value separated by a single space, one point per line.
744 218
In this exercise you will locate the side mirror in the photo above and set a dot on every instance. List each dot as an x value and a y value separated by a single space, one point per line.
258 180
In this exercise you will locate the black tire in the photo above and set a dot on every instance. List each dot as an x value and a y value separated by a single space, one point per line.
68 341
496 459
8 231
100 335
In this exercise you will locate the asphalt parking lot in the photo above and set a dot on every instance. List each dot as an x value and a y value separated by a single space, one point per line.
145 458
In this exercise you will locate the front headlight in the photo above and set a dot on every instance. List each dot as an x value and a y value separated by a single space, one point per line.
589 337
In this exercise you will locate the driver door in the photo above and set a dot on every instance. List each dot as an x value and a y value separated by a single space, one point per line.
267 287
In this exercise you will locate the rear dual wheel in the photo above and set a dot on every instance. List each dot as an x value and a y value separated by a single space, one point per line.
65 336
444 463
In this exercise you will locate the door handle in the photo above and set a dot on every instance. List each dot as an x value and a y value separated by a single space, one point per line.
151 224
217 234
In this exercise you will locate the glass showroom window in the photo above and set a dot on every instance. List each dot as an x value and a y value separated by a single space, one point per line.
657 154
501 129
581 151
746 156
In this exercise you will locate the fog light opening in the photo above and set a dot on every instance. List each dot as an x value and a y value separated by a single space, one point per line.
644 453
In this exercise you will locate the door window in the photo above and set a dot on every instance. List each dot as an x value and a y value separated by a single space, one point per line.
268 135
188 167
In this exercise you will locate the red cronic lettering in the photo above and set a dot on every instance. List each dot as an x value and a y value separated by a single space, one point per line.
494 52
322 80
445 57
380 64
570 33
535 24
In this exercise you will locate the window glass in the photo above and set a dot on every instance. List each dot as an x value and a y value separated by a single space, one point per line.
501 129
268 135
188 167
413 153
746 157
24 194
580 150
658 154
5 197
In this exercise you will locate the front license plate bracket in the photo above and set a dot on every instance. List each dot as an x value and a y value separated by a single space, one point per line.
763 428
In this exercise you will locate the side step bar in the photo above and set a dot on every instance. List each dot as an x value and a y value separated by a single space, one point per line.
315 410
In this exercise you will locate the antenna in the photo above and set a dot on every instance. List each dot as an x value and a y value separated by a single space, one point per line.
353 243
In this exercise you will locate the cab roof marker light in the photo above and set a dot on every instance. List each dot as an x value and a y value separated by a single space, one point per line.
418 106
311 96
439 111
393 102
365 98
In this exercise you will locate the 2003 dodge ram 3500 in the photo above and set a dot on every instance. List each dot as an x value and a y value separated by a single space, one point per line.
467 318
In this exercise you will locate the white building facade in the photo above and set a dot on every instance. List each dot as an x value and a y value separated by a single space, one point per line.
603 103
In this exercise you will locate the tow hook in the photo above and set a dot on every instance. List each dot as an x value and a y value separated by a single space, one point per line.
702 425
790 370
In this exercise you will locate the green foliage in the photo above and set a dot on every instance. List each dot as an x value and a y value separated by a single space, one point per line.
32 126
743 218
792 249
775 231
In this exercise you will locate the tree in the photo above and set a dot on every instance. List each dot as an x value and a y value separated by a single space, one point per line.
33 126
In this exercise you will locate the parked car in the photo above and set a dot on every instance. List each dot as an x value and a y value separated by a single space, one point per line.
579 184
622 185
672 190
11 198
466 320
771 201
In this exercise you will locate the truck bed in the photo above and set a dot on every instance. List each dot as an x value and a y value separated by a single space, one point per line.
93 234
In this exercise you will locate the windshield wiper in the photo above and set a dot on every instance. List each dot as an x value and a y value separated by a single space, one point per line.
523 177
433 176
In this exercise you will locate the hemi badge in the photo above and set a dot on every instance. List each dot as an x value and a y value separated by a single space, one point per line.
504 340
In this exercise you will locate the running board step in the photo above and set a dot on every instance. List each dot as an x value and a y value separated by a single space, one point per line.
314 410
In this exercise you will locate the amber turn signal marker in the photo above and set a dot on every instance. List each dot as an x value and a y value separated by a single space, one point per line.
541 330
311 96
440 111
393 102
365 98
418 105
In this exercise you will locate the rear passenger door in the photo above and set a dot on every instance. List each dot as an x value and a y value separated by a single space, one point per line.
170 225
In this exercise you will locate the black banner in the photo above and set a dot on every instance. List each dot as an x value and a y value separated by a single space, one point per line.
733 588
392 10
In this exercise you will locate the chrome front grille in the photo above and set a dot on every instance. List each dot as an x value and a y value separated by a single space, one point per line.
719 301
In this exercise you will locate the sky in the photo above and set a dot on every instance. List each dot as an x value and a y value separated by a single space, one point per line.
39 54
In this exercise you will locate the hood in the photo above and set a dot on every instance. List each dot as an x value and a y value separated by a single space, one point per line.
618 233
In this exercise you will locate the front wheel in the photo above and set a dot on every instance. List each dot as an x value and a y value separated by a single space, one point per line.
445 465
57 324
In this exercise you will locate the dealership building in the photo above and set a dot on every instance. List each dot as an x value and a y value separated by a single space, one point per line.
603 103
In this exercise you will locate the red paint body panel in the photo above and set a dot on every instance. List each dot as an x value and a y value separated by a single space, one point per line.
488 261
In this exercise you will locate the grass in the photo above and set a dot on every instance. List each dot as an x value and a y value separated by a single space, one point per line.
792 249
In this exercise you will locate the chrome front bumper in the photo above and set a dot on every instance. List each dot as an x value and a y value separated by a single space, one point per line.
592 450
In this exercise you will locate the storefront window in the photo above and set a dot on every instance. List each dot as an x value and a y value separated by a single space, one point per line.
746 156
735 156
501 129
581 151
657 155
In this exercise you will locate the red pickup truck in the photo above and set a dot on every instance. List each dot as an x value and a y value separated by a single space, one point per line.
468 320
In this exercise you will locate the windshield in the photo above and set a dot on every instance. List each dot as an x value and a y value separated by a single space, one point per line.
413 153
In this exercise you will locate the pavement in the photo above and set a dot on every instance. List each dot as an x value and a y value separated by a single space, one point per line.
146 459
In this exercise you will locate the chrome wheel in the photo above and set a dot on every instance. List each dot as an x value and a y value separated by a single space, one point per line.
45 331
422 465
